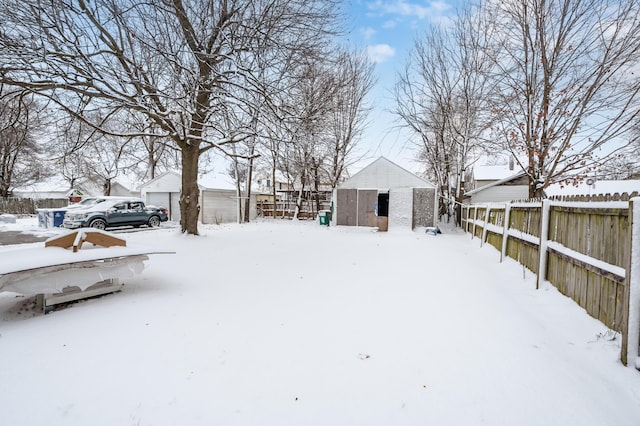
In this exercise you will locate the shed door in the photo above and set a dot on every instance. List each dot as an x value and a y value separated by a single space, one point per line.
346 207
367 200
424 206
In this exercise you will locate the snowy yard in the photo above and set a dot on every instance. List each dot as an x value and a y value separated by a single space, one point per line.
295 324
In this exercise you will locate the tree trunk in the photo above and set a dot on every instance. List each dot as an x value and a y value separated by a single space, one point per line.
236 175
190 196
247 201
273 186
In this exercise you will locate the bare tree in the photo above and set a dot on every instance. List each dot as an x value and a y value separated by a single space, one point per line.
180 64
20 159
85 155
347 119
152 151
442 97
306 112
567 83
625 165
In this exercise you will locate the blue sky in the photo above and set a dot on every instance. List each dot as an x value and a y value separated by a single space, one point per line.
386 30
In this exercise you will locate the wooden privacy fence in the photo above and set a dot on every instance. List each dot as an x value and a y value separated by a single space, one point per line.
29 205
587 247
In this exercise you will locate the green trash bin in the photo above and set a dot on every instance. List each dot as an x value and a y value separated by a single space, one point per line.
323 216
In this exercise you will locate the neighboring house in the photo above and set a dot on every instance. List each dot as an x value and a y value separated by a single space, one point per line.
54 188
118 189
480 176
218 197
288 197
513 187
122 186
58 188
286 191
265 185
382 195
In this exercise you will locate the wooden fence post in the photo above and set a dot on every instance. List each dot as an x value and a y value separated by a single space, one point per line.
542 247
475 218
463 218
487 212
631 306
505 233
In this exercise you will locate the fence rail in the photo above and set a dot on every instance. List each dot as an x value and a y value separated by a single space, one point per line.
585 247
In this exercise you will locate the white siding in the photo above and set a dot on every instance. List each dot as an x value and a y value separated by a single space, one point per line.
221 206
500 193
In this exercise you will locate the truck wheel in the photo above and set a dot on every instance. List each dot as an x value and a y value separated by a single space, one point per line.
154 221
98 224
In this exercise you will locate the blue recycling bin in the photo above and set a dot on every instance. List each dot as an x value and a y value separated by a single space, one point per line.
58 217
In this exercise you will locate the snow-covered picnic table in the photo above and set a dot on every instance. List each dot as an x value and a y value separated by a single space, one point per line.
60 266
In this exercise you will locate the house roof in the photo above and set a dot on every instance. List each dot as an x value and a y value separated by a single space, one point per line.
385 174
216 181
495 172
56 187
206 181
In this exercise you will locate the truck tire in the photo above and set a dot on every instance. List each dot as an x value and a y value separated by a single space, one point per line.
98 224
154 222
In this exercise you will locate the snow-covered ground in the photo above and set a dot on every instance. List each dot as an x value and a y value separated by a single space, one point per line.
292 323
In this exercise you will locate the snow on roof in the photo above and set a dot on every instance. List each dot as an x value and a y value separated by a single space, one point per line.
384 173
129 182
216 181
598 187
496 183
53 184
493 172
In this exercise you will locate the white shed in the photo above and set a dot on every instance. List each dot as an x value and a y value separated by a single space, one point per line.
383 194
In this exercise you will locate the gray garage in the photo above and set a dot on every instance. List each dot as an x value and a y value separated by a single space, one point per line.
385 195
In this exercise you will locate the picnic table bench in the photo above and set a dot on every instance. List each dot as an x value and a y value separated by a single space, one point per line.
60 271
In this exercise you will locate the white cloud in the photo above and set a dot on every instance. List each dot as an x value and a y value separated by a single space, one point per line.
368 33
379 53
390 24
431 9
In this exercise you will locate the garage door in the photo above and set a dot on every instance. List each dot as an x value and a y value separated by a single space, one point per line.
170 200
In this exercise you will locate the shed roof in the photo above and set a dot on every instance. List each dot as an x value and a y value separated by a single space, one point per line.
385 174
